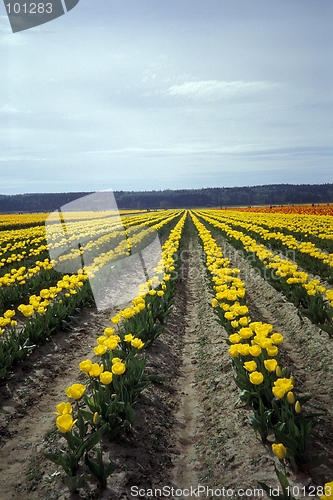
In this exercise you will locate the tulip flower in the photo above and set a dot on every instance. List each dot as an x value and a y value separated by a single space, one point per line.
234 338
128 338
65 423
279 450
96 370
270 365
277 338
9 313
75 391
106 377
63 409
233 351
85 366
291 398
255 350
137 343
250 366
256 378
108 331
118 368
278 371
100 350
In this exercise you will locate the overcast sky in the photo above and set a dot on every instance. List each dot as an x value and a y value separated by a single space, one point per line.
167 94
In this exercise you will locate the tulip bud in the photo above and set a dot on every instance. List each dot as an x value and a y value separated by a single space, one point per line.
291 398
278 371
298 408
279 450
96 418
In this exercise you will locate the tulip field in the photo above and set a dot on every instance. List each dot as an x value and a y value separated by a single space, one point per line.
217 371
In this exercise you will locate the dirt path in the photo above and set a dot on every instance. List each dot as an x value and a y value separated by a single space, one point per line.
186 466
226 454
189 431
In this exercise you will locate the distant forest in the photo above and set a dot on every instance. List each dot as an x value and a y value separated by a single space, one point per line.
274 194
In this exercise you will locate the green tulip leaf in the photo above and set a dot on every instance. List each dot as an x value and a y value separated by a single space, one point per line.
75 482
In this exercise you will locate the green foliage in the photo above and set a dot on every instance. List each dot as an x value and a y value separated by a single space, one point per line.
277 194
285 488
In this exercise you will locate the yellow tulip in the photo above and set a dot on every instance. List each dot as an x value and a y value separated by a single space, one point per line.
9 314
137 343
63 409
279 450
108 331
291 398
278 371
75 391
96 370
255 350
118 368
106 377
234 338
233 351
85 366
256 378
65 423
128 338
100 350
250 366
270 365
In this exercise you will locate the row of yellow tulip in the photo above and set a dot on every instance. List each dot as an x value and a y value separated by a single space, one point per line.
16 245
114 383
306 225
82 229
165 265
287 240
283 268
16 220
22 274
13 220
39 303
254 347
134 236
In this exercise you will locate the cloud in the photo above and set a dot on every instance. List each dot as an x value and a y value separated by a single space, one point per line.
215 89
21 158
183 150
7 109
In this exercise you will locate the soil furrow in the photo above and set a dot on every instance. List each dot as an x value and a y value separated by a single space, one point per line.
227 456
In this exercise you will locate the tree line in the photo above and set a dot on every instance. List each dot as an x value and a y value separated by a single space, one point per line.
273 194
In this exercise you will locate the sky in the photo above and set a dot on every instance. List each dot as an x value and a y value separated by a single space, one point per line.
168 94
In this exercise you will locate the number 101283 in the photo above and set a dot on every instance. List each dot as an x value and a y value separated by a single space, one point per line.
29 8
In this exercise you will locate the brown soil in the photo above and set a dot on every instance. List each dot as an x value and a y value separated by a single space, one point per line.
189 429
